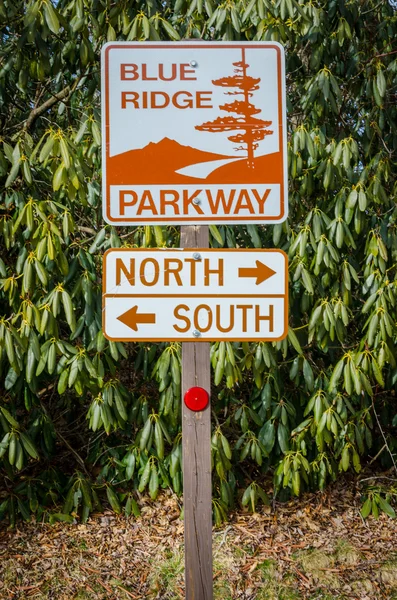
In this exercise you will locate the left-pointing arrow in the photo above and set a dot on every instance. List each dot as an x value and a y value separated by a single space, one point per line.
132 318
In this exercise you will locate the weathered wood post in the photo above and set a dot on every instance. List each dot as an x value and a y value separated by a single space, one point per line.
196 452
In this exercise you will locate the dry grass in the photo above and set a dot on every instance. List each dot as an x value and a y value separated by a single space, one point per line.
346 554
319 566
388 573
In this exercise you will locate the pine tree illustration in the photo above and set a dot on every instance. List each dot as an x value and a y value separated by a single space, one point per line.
253 129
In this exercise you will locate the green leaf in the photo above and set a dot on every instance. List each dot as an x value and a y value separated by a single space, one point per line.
375 510
51 16
226 447
296 482
248 10
215 234
377 372
144 477
172 33
267 435
337 372
54 517
47 148
345 459
254 235
294 340
283 437
246 496
146 27
159 440
381 83
96 133
41 272
64 152
28 445
120 405
308 374
366 508
386 508
63 382
219 370
86 492
58 177
9 417
153 483
113 499
12 175
69 310
307 281
130 466
131 506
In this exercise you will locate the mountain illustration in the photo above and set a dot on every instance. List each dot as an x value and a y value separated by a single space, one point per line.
158 163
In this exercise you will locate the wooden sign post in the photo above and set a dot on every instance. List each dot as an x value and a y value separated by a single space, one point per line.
178 151
196 453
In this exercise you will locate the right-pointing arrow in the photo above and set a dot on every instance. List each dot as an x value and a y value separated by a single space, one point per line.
132 318
261 272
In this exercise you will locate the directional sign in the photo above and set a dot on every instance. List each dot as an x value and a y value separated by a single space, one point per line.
194 133
200 295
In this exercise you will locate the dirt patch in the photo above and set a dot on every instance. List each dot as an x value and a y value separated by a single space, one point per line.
314 548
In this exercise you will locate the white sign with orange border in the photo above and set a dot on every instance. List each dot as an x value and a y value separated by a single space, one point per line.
194 133
201 295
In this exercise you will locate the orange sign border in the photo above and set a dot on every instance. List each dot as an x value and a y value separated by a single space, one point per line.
196 219
199 339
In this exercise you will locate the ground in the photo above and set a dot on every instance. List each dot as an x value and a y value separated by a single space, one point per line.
314 548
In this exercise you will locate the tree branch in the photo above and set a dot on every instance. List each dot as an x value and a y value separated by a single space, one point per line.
384 437
62 95
65 441
36 112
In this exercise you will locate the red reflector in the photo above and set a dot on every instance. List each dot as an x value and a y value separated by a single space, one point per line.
196 398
